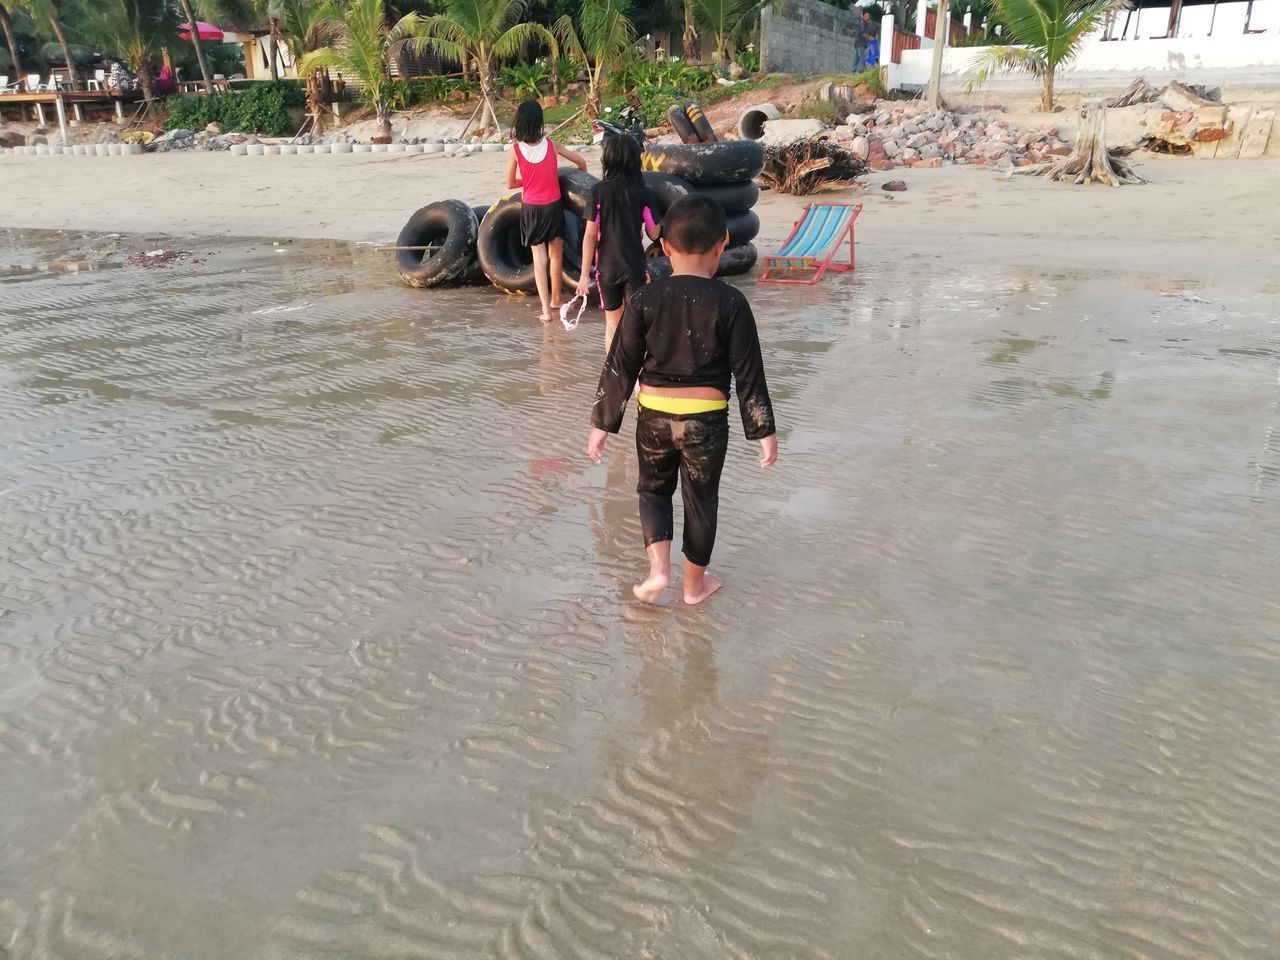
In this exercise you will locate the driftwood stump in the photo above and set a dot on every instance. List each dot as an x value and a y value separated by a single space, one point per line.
1090 161
805 166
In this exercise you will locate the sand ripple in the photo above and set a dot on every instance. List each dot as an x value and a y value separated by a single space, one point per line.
314 638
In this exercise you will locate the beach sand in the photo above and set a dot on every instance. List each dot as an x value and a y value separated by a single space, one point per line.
1203 218
316 638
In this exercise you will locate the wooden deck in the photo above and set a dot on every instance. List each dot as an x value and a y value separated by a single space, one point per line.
35 104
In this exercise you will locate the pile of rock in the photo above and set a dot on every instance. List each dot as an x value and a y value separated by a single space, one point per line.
916 137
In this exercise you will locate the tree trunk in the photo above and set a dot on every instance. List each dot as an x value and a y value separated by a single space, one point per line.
272 48
72 74
488 118
7 23
195 42
145 80
1090 160
384 122
690 33
1046 94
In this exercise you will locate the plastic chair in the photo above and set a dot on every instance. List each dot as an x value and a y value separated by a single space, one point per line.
34 85
99 81
6 86
813 243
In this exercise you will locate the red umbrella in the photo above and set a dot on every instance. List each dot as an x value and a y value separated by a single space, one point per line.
207 31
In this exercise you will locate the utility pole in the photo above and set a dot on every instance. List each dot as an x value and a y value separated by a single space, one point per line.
933 96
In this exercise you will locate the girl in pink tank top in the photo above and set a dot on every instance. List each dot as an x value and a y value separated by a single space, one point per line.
533 167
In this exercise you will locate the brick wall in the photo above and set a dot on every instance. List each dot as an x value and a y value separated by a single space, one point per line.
808 36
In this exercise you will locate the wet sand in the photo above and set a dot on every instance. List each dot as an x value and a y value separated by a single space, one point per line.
316 639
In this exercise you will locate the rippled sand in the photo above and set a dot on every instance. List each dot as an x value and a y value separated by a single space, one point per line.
315 638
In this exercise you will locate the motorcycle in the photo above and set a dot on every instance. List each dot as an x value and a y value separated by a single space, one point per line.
632 125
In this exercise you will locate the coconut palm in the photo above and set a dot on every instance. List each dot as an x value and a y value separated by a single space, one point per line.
7 9
361 41
135 29
309 26
195 42
47 12
726 20
601 41
1045 34
483 31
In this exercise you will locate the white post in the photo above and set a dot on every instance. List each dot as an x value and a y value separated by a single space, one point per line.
119 109
968 20
40 113
62 120
922 20
79 113
888 69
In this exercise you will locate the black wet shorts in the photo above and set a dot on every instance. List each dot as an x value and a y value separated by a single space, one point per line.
541 223
691 449
618 284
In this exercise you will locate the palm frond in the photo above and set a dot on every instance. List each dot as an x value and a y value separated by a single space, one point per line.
510 43
1004 60
570 43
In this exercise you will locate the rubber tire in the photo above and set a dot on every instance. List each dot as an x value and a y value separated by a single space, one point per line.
733 198
735 260
681 124
575 190
701 125
454 225
729 161
508 264
743 228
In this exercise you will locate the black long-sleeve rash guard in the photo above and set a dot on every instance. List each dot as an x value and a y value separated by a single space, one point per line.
686 332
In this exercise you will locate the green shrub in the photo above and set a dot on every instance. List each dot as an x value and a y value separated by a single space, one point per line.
258 108
526 79
748 60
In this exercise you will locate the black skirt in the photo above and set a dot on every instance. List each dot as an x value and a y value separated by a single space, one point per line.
541 223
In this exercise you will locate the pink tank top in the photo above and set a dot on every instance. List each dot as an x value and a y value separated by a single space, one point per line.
540 180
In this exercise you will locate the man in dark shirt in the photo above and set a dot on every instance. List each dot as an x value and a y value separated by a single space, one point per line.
684 338
865 34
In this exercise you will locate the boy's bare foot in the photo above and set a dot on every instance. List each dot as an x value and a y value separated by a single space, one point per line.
546 318
650 590
710 584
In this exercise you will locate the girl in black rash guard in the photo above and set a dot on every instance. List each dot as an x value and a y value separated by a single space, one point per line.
684 338
621 207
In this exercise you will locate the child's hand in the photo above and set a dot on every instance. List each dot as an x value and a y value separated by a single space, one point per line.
584 284
595 443
768 452
582 165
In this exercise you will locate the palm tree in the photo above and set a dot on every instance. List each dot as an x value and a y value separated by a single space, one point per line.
134 29
605 36
7 9
309 26
1045 33
359 46
195 42
484 30
46 11
726 20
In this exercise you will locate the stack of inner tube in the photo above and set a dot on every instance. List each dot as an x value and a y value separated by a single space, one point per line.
690 123
724 171
452 243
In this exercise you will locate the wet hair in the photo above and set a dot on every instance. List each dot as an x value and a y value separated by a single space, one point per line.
621 158
529 124
694 225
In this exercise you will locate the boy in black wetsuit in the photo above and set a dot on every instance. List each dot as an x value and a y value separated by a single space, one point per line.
684 337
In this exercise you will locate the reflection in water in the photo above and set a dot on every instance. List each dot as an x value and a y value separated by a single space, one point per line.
311 607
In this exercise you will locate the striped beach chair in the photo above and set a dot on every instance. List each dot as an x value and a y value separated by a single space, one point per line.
811 248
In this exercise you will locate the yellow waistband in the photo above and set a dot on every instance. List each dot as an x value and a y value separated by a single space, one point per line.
681 406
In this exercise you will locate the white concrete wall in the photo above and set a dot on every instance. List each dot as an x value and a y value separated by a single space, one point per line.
1218 52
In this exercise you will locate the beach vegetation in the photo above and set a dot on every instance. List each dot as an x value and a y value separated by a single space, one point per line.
727 21
526 79
135 30
1045 34
359 41
482 32
598 42
261 108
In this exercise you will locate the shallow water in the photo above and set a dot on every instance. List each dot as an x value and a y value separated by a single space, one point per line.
315 638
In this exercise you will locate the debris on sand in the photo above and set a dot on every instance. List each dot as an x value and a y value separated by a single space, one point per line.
157 258
807 166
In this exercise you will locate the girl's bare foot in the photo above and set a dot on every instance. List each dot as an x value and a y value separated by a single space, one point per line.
695 595
650 590
546 318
